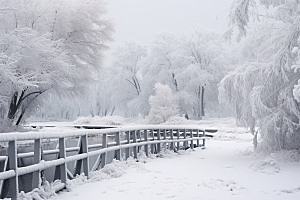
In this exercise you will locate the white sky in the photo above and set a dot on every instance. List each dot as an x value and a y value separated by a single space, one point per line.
142 19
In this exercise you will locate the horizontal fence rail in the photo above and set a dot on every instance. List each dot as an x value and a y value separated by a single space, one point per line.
93 149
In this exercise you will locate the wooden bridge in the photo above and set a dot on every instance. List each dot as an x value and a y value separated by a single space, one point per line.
90 152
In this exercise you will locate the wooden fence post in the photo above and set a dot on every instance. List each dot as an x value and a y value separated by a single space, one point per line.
178 137
13 165
198 137
184 136
4 183
172 137
62 154
36 159
165 138
146 140
135 147
104 145
78 163
118 142
204 138
158 144
152 139
192 141
85 161
127 150
140 135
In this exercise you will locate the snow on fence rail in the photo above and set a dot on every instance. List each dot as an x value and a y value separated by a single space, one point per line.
128 140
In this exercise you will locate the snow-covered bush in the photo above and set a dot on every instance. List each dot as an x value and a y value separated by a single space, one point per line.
163 105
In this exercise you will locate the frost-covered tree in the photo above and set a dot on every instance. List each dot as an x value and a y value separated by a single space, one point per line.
204 62
96 103
48 47
125 81
163 64
188 62
264 89
162 104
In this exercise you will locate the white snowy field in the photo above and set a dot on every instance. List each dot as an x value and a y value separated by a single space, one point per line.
226 169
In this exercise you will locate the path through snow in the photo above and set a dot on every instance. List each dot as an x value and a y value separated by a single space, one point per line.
224 170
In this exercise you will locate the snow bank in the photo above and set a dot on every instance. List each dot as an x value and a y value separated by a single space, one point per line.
267 165
118 168
44 192
107 120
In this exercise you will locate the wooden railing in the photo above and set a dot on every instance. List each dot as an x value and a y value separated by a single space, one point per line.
127 140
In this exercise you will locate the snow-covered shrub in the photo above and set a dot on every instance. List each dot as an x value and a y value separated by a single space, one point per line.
163 105
268 166
115 169
166 153
46 191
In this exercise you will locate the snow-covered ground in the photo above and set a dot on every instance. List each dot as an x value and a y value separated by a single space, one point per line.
226 169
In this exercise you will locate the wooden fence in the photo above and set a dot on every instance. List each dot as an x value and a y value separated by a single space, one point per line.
127 141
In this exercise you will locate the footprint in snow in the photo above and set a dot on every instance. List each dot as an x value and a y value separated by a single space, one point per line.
219 184
288 191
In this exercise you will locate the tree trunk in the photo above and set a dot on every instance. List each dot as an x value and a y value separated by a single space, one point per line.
202 101
20 118
16 105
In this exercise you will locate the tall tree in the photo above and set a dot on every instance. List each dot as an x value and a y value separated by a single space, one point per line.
126 75
48 47
269 77
188 62
204 59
